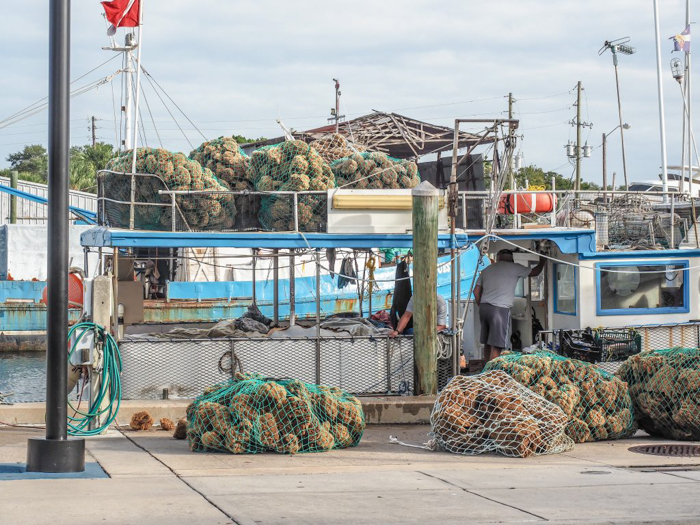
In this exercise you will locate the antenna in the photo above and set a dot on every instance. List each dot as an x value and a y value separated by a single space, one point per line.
619 46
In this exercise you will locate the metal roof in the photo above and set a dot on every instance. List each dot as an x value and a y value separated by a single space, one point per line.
396 135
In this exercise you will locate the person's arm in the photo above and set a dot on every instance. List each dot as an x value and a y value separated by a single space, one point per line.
477 294
403 322
538 269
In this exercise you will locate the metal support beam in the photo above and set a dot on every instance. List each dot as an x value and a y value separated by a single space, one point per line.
292 290
318 317
55 452
276 289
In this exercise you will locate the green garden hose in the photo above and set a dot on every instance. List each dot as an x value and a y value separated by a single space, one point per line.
110 387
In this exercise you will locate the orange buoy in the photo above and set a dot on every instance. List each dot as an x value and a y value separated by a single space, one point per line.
75 291
526 203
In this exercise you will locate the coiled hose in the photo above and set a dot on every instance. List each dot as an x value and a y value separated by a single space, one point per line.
110 386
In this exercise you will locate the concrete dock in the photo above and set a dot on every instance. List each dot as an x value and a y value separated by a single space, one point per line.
155 479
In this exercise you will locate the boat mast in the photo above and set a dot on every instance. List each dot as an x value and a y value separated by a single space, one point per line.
689 97
662 118
136 105
129 43
128 61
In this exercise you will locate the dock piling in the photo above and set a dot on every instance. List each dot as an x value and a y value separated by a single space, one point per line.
425 234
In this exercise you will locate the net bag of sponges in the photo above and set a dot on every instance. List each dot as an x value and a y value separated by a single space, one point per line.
665 389
226 160
491 412
292 166
375 170
214 211
597 403
252 414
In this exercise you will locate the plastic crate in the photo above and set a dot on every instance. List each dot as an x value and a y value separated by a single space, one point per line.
600 345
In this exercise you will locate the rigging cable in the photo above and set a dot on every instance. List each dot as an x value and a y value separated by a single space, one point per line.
174 103
148 77
148 107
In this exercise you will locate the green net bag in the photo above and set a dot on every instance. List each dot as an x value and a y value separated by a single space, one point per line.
230 164
179 173
491 412
291 166
375 171
665 389
334 147
253 414
597 403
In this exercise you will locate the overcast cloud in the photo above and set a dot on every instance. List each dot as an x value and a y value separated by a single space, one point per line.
236 66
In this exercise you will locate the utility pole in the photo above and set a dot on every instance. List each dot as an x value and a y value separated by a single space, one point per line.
94 128
578 137
335 112
56 452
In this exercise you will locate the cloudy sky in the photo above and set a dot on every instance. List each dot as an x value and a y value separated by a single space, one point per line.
236 66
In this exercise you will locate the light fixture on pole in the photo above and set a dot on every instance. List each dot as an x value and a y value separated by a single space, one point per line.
619 46
605 157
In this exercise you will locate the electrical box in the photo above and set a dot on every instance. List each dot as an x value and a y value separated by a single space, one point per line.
83 348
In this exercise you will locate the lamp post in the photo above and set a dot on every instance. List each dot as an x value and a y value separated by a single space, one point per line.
619 46
605 157
56 452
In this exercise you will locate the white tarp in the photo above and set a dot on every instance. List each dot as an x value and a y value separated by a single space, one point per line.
23 251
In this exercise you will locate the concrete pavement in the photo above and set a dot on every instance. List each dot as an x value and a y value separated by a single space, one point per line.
155 479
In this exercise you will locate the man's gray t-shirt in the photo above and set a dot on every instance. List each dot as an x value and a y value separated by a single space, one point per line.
498 283
441 309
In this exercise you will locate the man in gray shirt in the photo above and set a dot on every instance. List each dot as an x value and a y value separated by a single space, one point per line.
494 294
408 314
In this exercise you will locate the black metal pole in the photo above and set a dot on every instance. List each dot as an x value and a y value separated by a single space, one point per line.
57 453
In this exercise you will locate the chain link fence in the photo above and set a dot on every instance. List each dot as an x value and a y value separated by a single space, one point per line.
185 367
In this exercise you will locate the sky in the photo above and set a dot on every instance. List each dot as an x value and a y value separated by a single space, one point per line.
235 67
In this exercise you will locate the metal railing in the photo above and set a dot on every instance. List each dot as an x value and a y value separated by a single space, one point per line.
29 212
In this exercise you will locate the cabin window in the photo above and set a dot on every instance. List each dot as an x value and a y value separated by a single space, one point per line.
533 285
649 288
565 289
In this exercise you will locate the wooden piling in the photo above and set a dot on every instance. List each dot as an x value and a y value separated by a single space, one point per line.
425 233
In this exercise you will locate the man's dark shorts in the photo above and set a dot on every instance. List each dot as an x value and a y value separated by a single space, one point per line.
495 325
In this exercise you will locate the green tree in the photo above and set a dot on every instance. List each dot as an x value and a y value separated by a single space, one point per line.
32 163
85 162
537 177
246 140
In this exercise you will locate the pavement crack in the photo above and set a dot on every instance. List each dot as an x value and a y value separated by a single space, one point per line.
237 521
483 497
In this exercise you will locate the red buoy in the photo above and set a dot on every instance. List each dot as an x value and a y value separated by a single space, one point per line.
526 203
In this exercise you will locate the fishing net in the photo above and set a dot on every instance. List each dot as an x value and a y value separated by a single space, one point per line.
491 412
177 172
665 389
375 171
597 403
334 147
252 414
291 166
229 164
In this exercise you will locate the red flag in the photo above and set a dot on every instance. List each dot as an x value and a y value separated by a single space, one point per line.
121 13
